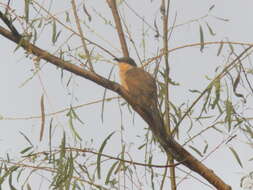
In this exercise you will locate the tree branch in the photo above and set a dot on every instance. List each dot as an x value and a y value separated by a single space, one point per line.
165 19
87 53
113 7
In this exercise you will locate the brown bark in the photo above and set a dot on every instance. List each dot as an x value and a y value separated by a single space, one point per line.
115 13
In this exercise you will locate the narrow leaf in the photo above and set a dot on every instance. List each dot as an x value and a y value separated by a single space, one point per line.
217 92
27 10
75 133
201 33
220 48
26 138
211 8
42 109
99 154
10 183
210 29
229 112
76 116
236 156
249 130
196 150
205 149
231 47
26 149
110 173
54 32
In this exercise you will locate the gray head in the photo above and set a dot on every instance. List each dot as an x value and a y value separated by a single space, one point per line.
127 60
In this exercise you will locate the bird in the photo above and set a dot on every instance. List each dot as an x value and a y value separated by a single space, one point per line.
141 86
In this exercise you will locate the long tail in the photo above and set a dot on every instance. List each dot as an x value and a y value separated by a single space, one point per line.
157 124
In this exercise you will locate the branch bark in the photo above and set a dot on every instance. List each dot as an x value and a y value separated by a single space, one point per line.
115 13
165 19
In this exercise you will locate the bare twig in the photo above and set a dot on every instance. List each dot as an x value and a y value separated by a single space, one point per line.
150 60
60 111
123 160
113 7
81 34
165 17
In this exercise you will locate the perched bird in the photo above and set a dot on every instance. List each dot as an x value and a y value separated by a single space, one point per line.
139 83
141 86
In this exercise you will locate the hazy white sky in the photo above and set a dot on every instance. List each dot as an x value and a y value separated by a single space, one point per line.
20 95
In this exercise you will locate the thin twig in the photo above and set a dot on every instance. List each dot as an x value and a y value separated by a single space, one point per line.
60 111
150 60
165 19
81 34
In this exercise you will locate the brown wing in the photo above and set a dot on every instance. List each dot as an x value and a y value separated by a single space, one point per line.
142 86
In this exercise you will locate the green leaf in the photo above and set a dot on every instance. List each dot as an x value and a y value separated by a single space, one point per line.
217 86
99 154
26 149
209 90
211 8
10 182
231 47
110 172
54 32
26 138
67 17
236 156
222 19
76 116
249 130
27 2
143 145
229 113
220 48
196 150
194 91
210 29
205 149
201 33
71 116
62 146
8 172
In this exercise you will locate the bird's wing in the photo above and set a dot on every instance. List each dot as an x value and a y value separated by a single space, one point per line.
141 85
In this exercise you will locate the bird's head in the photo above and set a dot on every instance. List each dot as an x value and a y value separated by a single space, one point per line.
126 60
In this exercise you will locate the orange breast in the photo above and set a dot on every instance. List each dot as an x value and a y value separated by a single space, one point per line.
123 68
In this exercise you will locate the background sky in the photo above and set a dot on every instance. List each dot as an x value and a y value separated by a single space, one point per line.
21 92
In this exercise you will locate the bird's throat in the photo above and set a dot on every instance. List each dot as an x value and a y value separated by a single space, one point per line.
123 68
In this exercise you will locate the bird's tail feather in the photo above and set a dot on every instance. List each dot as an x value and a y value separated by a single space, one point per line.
157 122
